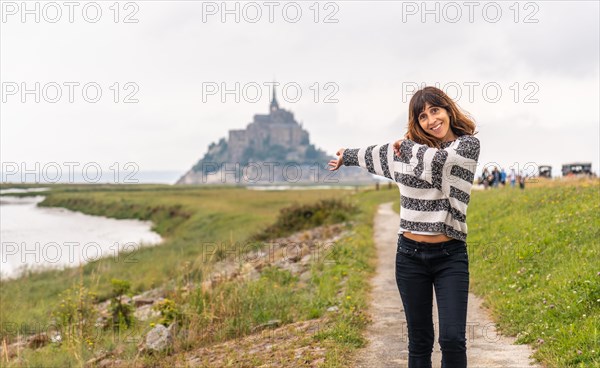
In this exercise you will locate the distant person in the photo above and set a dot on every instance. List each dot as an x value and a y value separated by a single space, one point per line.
496 175
512 177
434 167
521 180
485 178
503 177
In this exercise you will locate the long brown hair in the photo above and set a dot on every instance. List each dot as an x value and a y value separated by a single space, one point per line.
461 122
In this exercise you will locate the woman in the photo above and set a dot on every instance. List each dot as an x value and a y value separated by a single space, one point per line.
434 168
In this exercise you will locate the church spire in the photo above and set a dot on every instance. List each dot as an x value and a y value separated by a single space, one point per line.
274 104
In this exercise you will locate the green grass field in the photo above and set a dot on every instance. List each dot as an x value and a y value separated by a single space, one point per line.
534 258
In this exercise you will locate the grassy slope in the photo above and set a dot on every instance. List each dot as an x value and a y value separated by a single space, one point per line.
535 258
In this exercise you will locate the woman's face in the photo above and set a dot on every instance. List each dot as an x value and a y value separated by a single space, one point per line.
435 121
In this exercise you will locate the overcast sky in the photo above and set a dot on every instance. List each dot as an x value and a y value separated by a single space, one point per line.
363 57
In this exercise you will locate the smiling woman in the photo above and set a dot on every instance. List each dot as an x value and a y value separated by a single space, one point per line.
434 168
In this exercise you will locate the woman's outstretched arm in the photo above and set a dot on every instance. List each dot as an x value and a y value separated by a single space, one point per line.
450 170
376 159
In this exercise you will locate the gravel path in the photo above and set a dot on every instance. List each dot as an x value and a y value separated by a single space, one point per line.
387 335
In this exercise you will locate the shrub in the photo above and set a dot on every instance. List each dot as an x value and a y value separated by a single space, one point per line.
300 217
75 315
169 312
122 313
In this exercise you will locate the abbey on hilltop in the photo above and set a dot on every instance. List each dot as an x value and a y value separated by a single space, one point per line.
275 137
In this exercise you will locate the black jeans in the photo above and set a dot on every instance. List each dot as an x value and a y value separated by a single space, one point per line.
445 265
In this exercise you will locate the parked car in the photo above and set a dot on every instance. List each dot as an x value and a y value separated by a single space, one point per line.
577 168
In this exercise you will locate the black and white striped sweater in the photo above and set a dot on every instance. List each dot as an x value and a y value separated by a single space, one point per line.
435 184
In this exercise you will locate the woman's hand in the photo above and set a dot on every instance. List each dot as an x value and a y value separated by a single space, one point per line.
397 147
335 164
398 143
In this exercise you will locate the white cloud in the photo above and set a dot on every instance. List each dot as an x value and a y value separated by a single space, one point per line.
369 54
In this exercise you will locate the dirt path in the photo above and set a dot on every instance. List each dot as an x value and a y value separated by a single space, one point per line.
387 335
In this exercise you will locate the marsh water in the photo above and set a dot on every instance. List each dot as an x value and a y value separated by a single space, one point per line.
35 237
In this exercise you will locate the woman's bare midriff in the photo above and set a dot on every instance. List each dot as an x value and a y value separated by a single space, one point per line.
427 238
